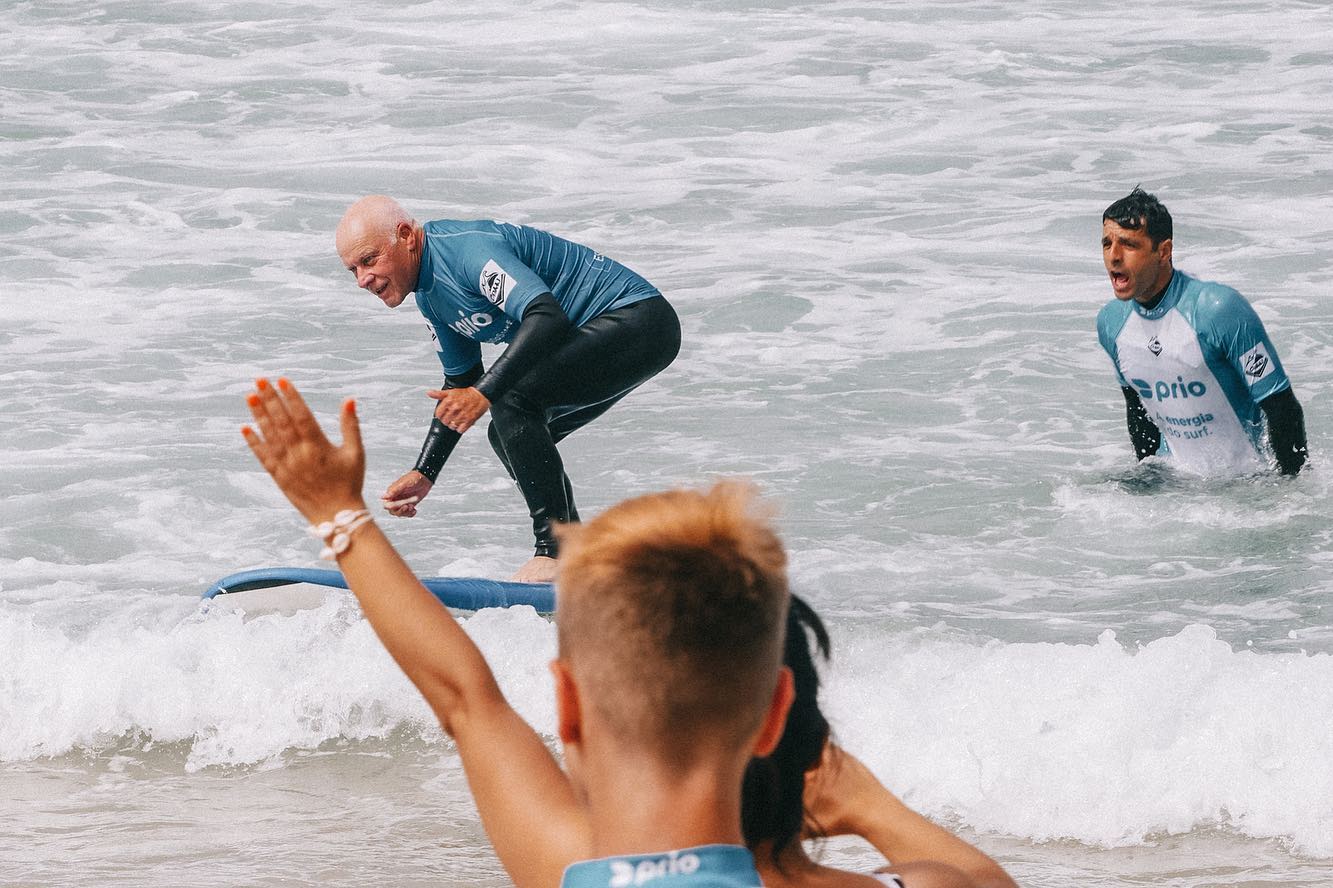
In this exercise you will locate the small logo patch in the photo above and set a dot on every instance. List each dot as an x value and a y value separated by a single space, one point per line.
495 284
434 337
1256 363
1155 346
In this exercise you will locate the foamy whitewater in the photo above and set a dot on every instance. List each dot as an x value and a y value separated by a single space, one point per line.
880 225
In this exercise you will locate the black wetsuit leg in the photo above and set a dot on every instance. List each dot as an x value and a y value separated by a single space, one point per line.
598 364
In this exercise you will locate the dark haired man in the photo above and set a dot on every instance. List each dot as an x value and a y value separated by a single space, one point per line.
1197 368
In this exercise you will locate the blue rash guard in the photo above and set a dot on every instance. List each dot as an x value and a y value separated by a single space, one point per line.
583 332
477 279
1200 362
707 866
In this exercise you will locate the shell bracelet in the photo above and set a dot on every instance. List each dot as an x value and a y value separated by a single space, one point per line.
337 534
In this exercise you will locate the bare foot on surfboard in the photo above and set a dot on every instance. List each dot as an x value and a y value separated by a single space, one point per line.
539 570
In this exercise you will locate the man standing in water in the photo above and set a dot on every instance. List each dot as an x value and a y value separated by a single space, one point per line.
582 332
1198 371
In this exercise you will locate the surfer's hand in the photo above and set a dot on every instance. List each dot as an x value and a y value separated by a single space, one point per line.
402 496
319 478
459 408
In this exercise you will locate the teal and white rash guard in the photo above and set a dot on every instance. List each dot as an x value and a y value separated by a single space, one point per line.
477 279
707 866
1200 361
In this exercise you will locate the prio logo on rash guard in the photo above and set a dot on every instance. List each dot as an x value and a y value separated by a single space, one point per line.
628 875
1163 390
471 325
1256 363
495 284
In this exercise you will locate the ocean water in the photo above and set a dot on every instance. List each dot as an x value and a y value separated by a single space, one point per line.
880 225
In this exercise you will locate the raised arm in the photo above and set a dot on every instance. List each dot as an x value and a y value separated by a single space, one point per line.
525 800
844 798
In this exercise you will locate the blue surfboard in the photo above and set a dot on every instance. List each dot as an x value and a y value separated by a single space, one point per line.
462 593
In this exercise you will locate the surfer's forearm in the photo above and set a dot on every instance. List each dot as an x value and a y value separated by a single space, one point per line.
440 442
440 439
1286 430
1143 432
543 328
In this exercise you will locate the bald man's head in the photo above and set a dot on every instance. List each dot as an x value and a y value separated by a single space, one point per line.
381 244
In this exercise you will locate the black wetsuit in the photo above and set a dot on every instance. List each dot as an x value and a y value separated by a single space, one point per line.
551 380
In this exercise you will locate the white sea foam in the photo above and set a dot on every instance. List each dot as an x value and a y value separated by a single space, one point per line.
879 225
1097 742
1101 743
238 690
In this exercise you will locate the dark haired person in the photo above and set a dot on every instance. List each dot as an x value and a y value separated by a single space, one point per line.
806 786
582 331
1199 373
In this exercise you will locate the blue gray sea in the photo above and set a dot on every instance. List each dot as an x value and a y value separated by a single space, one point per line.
880 224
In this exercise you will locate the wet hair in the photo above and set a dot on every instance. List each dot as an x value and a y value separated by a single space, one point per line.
1141 210
670 610
772 806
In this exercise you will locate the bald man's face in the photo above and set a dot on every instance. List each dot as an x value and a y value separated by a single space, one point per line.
383 265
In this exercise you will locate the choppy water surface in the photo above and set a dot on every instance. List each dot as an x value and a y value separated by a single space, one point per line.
879 224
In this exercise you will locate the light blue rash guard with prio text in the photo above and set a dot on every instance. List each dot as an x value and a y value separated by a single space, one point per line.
1201 362
707 866
477 278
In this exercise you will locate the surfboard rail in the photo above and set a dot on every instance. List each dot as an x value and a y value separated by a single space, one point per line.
460 593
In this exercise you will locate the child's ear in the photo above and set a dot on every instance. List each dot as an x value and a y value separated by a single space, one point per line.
568 706
775 721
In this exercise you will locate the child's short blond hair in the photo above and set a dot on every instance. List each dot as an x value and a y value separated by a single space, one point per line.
670 614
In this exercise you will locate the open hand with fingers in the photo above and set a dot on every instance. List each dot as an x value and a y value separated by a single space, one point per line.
318 477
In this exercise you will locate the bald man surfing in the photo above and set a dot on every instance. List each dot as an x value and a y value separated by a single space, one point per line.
581 330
